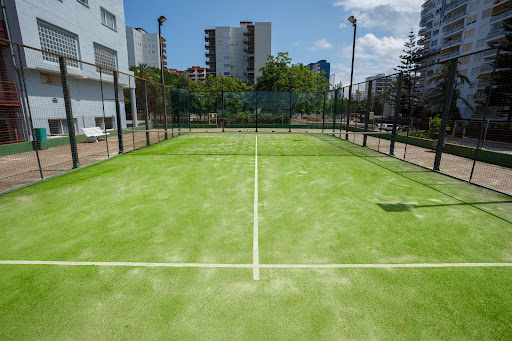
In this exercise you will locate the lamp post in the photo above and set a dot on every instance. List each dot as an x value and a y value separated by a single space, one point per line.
353 21
161 20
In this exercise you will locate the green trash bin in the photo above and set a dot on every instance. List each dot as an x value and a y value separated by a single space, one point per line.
39 136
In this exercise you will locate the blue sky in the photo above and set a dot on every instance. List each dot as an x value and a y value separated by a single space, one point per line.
308 30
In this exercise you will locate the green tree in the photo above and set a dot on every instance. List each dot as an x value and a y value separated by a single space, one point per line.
435 97
279 74
408 65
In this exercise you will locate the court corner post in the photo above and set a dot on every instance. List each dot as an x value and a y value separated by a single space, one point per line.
118 113
69 111
368 108
397 112
445 113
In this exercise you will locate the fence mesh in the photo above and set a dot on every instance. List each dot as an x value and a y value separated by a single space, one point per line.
452 116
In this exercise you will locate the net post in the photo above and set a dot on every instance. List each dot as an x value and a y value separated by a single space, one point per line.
397 112
347 123
446 111
118 113
334 110
256 111
189 125
290 120
341 111
368 108
323 113
164 112
69 111
484 117
145 108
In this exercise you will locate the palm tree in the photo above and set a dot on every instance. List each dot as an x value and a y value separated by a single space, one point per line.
435 96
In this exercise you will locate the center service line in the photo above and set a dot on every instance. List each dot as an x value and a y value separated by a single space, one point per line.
255 248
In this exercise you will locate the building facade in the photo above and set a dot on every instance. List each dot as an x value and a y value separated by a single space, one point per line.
457 28
88 30
321 65
238 52
381 84
197 73
143 48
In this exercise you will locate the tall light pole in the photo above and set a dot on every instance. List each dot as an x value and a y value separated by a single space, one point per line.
161 20
353 21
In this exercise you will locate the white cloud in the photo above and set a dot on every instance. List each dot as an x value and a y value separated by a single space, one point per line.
404 5
397 16
373 55
342 25
321 44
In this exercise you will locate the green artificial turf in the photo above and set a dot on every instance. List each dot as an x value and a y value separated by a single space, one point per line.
322 200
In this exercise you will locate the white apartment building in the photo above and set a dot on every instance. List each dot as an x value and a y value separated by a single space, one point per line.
88 30
197 73
143 48
381 84
456 28
238 52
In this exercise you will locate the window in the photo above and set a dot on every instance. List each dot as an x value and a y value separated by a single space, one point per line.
108 19
84 2
487 13
464 60
104 122
56 40
60 127
433 43
50 79
484 29
487 1
466 47
227 65
474 5
469 34
471 19
480 43
105 57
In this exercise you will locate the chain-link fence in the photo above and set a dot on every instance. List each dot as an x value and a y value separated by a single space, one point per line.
57 114
452 116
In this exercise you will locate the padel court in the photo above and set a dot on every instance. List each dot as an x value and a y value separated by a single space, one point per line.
255 236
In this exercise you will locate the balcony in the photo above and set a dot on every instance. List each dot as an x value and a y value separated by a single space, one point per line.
501 16
483 84
250 51
424 30
211 62
164 56
486 68
489 54
427 8
165 63
450 55
448 30
426 19
456 16
9 94
210 55
451 42
209 46
494 34
454 5
164 45
209 38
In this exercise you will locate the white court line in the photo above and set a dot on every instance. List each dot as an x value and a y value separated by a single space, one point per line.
268 266
255 247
